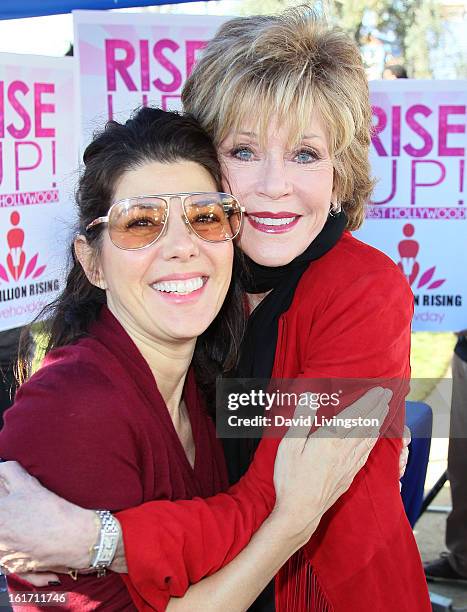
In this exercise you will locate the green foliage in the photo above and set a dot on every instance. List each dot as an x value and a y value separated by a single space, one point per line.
415 25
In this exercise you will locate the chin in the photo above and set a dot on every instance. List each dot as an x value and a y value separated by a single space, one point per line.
272 262
186 330
272 257
282 252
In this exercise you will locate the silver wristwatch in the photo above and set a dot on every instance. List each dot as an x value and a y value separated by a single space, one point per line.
106 547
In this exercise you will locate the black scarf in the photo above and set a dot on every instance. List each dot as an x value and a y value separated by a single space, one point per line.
259 343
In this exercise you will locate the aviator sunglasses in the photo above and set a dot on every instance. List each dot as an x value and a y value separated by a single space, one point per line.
137 222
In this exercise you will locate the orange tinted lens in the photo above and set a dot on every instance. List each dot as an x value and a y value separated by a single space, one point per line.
213 216
136 223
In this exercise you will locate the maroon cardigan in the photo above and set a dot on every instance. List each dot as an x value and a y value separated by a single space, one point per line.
93 427
350 318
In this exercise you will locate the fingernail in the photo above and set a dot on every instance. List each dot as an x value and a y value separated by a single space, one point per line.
54 583
388 394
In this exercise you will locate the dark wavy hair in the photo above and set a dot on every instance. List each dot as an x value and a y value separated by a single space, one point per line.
150 135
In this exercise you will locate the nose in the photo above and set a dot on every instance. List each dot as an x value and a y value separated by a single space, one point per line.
273 181
178 241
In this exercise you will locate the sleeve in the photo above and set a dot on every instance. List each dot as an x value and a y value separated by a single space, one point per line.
364 333
65 433
170 545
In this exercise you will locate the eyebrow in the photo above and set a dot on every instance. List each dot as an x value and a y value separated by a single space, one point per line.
304 137
252 134
310 136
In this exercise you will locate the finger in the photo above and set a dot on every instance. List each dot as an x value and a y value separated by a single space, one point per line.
40 579
407 436
367 403
377 416
372 425
299 428
12 475
4 492
403 461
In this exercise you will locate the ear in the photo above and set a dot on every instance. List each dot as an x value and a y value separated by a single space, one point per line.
89 262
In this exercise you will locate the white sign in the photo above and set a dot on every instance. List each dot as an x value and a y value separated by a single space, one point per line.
37 167
129 60
419 211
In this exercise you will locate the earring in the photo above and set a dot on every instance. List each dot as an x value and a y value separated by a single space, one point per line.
335 208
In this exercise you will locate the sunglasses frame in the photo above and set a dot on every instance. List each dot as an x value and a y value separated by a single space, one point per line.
167 197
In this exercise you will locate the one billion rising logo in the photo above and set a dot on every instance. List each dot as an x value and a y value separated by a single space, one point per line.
16 258
408 251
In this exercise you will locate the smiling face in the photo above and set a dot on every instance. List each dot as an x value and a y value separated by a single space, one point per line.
173 289
286 190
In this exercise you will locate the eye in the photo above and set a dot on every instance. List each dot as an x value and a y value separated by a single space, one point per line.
206 218
242 153
140 222
305 156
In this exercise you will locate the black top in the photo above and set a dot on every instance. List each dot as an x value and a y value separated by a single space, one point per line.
259 343
9 341
461 348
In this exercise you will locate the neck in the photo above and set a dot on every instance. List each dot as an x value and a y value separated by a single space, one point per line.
169 361
256 298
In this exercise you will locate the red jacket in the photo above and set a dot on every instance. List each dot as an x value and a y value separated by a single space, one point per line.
93 427
350 318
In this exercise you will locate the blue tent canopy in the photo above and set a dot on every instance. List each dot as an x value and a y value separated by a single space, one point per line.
10 9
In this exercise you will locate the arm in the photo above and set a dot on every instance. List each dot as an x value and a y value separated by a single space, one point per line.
172 544
363 334
238 584
366 348
185 541
331 460
64 436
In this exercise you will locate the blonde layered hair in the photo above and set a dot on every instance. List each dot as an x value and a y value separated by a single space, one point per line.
289 66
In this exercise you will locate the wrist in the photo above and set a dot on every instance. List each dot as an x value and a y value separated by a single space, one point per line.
83 537
293 533
119 563
109 534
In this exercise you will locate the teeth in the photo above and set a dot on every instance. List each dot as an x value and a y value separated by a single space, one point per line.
182 287
268 221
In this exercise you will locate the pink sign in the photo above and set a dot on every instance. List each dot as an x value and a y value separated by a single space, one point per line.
129 60
38 156
418 214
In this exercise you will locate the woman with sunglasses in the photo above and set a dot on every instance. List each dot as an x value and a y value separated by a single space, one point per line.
150 313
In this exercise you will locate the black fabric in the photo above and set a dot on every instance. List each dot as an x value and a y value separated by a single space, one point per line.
7 389
461 348
259 344
9 341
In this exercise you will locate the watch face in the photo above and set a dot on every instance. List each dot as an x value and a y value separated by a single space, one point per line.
109 534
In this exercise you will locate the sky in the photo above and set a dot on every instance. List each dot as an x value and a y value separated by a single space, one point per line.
52 35
49 35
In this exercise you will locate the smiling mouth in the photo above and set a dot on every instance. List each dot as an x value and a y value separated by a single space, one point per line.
181 287
273 221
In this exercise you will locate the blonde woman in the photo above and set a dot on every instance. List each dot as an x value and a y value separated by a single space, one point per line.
285 99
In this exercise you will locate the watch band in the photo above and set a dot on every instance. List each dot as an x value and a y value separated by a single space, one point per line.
106 547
